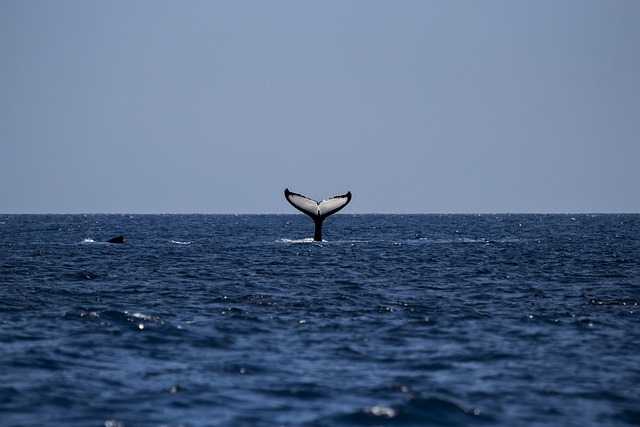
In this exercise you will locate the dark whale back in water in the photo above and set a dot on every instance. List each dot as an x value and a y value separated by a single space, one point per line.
318 211
117 239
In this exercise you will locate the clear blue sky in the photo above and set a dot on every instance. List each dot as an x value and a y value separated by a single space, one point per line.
212 106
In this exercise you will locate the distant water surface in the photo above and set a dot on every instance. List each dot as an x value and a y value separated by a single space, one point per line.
404 320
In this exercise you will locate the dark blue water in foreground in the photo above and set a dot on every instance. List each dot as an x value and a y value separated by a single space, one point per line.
446 320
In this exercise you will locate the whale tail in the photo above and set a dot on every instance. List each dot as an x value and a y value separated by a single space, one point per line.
318 211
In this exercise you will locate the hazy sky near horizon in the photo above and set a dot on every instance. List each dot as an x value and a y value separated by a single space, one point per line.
414 106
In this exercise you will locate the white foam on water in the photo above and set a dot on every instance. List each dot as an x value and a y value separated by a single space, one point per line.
141 316
305 240
310 240
178 242
510 240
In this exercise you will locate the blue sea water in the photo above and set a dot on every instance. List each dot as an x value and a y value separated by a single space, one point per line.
403 320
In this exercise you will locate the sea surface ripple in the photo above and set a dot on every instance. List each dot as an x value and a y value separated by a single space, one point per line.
241 320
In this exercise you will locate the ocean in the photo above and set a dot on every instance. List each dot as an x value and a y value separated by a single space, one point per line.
242 320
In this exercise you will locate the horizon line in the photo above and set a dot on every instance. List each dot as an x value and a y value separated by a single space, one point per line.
342 213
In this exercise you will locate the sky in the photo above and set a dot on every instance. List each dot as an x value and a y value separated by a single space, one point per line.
414 106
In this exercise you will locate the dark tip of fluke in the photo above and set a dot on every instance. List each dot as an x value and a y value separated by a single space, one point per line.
117 239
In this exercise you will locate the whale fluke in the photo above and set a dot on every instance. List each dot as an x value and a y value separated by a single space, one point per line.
117 239
318 211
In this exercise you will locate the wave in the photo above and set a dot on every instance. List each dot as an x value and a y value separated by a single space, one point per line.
310 240
432 410
130 320
459 240
180 242
90 241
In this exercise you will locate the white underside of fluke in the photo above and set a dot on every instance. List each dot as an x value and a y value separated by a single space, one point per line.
317 209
